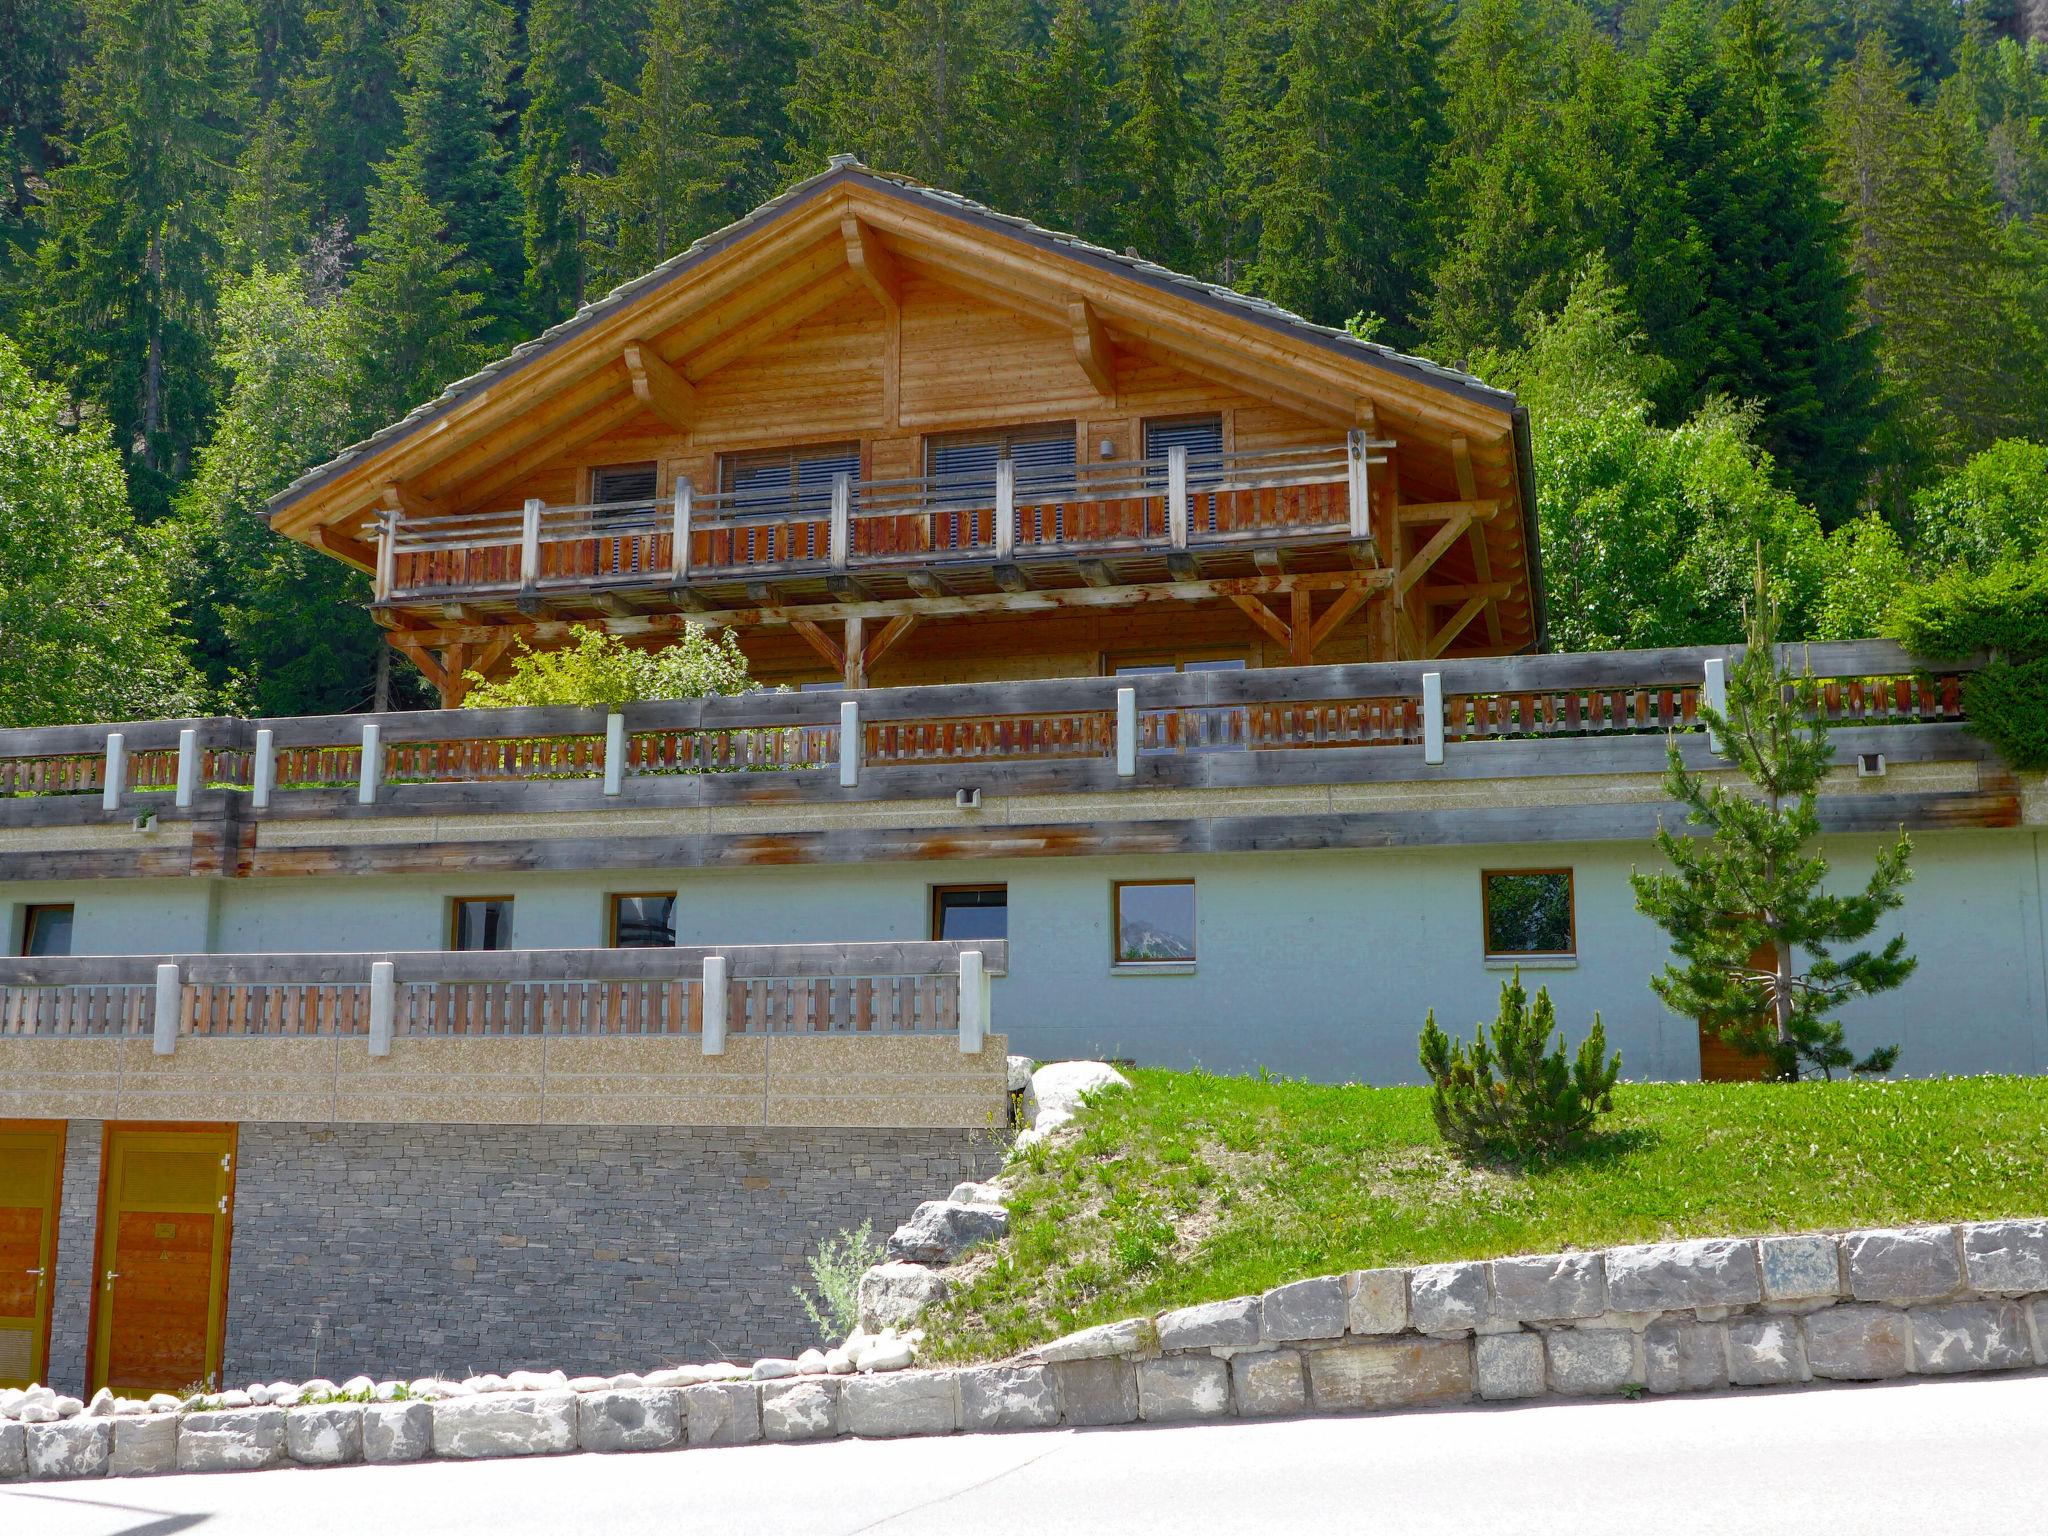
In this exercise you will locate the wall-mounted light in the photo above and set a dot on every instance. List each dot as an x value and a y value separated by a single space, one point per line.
1869 765
968 799
1106 448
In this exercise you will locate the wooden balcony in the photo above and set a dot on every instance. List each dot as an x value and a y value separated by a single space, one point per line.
931 544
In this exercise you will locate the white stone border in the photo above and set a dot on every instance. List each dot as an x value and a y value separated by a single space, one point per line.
1659 1318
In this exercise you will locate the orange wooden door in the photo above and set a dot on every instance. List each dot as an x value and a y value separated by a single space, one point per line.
1721 1062
31 1171
163 1258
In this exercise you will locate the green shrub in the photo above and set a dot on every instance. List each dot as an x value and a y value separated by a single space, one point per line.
2002 612
1510 1095
836 1269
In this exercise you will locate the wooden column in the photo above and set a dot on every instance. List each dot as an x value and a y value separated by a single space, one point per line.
856 653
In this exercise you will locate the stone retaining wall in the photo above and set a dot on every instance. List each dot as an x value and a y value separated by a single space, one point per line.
1667 1317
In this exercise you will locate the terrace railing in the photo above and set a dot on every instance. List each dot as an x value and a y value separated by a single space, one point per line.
766 989
1259 714
1184 503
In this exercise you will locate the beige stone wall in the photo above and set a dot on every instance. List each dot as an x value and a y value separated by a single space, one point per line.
832 1081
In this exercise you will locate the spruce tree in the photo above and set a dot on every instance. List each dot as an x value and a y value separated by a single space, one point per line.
1061 168
267 219
1755 935
346 108
1161 145
672 168
574 48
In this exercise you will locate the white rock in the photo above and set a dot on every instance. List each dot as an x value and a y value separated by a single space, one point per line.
625 1381
10 1399
1059 1086
537 1381
162 1402
487 1383
284 1395
838 1362
36 1413
433 1387
590 1383
319 1386
69 1407
237 1400
385 1391
103 1404
887 1355
354 1385
128 1408
1019 1072
811 1363
494 1425
258 1394
774 1369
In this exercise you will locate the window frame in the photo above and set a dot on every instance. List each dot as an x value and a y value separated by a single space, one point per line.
1540 956
935 910
455 906
1179 964
611 919
34 909
592 471
1002 437
1204 657
792 505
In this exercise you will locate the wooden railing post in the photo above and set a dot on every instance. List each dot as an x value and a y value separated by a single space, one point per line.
114 778
1177 495
529 542
1126 733
372 767
188 768
679 546
714 1005
849 744
1432 717
263 772
1714 694
974 1000
614 753
169 993
841 531
1006 508
383 1005
1358 477
387 555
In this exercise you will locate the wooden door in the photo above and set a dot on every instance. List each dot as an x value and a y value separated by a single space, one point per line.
163 1257
1721 1062
31 1174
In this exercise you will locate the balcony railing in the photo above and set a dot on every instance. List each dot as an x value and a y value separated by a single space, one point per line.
1257 497
1271 714
765 989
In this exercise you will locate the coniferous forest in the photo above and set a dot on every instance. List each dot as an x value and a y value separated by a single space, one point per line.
1765 271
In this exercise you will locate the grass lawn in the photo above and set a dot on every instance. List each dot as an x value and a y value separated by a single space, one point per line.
1195 1188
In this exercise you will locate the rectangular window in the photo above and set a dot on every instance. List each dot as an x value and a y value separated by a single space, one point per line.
1152 664
644 922
481 922
788 480
1202 436
1528 912
970 912
964 463
1154 921
47 930
624 483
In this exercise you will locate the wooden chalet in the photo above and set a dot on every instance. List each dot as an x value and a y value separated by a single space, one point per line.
891 435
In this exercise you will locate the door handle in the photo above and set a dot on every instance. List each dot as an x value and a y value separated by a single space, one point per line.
112 1276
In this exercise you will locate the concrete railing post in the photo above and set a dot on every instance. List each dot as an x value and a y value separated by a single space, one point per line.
188 768
263 772
849 744
614 754
529 542
383 1005
387 556
1432 717
372 765
1126 733
1714 694
714 1005
169 993
973 1002
114 778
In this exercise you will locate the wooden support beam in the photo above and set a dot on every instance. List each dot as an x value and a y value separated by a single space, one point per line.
1458 591
1096 573
895 630
1418 565
1181 566
665 392
1264 617
1268 561
1011 578
1091 347
1346 603
396 496
856 652
872 263
822 643
925 584
615 605
1300 628
1482 557
1439 511
849 589
1441 640
353 551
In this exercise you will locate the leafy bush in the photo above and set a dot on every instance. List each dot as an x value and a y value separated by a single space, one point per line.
1509 1095
2004 612
600 671
836 1269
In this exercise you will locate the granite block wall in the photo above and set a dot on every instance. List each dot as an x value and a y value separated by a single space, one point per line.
412 1250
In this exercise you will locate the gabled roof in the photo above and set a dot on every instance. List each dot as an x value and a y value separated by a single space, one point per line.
844 171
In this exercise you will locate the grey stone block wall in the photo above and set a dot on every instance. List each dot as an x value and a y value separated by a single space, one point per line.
77 1223
412 1250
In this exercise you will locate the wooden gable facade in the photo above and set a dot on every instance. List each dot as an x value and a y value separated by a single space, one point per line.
891 436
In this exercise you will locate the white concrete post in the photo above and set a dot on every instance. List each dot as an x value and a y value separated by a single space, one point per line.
1006 508
188 767
679 534
614 753
973 1002
842 521
116 774
1714 694
529 543
849 744
714 1005
373 763
169 992
263 772
1126 733
1177 495
1358 476
1432 717
383 1005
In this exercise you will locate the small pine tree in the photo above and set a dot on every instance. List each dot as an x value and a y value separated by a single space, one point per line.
1514 1094
1750 887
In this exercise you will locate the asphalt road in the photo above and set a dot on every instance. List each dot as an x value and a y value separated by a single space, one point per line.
1924 1457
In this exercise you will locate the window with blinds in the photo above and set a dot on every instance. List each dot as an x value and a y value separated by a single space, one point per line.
963 464
623 482
795 480
1202 436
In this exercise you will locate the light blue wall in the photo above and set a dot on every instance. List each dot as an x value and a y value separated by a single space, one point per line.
1312 964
